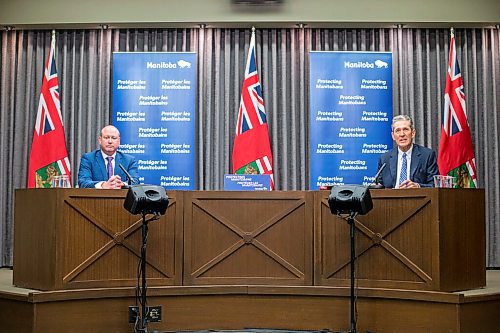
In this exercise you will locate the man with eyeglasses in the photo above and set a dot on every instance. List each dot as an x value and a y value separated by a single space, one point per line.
408 165
100 168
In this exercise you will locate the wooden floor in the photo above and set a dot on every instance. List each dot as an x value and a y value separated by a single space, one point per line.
239 306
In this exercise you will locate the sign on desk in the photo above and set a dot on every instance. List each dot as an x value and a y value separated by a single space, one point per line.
247 182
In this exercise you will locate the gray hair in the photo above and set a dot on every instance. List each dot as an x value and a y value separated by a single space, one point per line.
402 117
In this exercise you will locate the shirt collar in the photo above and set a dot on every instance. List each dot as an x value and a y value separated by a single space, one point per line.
408 152
104 156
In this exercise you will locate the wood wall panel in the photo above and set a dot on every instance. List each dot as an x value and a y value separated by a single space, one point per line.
462 247
248 238
239 307
424 239
481 315
432 239
16 316
88 239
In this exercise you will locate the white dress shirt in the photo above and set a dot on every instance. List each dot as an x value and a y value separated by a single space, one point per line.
104 156
400 162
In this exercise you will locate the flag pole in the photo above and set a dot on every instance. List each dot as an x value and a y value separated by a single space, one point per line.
53 42
252 149
456 155
49 154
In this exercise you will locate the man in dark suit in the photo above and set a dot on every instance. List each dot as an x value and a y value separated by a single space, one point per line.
408 165
100 168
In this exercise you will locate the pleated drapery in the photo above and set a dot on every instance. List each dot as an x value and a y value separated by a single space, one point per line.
420 58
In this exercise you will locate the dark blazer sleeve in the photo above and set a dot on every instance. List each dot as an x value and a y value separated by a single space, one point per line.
426 168
386 177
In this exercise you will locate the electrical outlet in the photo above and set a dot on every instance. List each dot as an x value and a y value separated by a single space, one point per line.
133 313
154 314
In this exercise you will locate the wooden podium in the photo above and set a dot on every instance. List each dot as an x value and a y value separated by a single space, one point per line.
427 239
84 238
422 239
248 238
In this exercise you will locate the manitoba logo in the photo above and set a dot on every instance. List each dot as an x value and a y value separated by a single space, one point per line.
358 64
183 64
366 64
160 65
381 64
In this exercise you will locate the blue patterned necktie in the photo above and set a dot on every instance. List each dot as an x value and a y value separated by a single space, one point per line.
404 167
110 166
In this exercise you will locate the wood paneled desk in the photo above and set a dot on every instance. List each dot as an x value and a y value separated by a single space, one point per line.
423 239
84 238
429 239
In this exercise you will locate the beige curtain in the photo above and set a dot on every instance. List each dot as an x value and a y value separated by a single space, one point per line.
84 58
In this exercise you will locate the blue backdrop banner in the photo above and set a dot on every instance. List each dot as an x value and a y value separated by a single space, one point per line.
350 116
154 107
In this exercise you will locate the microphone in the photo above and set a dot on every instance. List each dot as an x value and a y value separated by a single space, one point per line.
375 183
129 177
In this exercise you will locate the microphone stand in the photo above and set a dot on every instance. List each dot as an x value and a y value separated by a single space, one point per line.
376 182
350 221
129 177
142 318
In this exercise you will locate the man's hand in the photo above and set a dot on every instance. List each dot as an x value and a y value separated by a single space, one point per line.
115 182
409 184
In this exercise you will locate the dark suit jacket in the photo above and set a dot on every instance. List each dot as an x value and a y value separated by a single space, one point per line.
422 169
93 169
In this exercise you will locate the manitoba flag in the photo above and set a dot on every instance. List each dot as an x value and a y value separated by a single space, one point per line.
252 148
456 155
49 156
